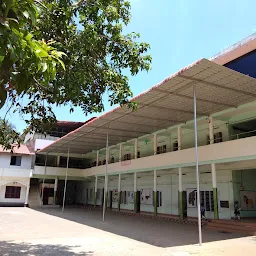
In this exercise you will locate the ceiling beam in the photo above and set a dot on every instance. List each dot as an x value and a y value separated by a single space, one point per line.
198 99
219 86
158 119
172 109
120 130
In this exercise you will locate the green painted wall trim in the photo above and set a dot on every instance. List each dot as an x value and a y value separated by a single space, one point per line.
119 201
135 201
215 203
181 204
155 203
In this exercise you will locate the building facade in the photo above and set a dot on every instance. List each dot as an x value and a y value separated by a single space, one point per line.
145 161
151 154
16 170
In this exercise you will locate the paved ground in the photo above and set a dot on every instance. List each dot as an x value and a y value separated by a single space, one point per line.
25 231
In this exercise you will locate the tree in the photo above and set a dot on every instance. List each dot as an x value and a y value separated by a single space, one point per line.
8 135
68 52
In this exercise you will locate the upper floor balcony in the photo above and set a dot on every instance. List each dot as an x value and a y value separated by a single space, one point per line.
222 152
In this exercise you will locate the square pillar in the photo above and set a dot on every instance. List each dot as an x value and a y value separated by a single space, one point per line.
120 152
213 168
58 161
181 210
97 158
55 190
27 194
135 192
135 148
119 191
155 195
95 191
155 143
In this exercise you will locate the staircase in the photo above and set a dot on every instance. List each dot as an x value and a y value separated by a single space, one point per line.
34 197
232 226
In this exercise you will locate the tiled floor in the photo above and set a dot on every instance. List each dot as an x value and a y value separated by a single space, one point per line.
24 231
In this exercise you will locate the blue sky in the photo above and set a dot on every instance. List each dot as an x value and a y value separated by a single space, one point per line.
179 32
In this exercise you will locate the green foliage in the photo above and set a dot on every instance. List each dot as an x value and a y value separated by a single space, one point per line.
67 52
8 135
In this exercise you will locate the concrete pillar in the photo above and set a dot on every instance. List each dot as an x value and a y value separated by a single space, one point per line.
135 191
213 167
135 148
155 194
27 194
181 194
55 190
179 138
95 191
97 158
155 144
119 191
58 161
120 152
181 210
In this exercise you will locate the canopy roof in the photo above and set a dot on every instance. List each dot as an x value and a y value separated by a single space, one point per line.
164 105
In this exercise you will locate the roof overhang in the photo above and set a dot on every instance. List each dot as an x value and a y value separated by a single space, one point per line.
167 104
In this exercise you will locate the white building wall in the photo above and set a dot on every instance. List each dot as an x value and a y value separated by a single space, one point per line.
5 159
167 183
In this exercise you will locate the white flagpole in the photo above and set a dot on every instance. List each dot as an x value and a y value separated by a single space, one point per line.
197 173
106 182
65 187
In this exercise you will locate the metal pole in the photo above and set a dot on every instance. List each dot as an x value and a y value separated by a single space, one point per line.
106 182
45 162
197 173
65 187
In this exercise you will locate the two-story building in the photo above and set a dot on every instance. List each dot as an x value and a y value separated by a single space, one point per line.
149 164
16 170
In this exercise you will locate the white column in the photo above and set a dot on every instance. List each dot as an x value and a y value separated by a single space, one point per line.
119 182
214 180
135 148
65 186
58 161
56 184
27 193
197 171
95 191
97 158
179 138
135 182
155 143
120 152
106 183
211 132
180 180
55 189
155 189
42 199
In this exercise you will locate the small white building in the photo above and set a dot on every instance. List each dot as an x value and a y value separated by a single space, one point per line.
15 171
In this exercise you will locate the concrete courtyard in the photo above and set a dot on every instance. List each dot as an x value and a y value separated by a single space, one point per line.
25 231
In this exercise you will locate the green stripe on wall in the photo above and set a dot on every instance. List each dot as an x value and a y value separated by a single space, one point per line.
215 203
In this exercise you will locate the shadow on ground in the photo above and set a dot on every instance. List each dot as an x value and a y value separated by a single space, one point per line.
161 233
11 248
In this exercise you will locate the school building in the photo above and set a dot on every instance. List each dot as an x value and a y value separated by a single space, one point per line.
149 162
